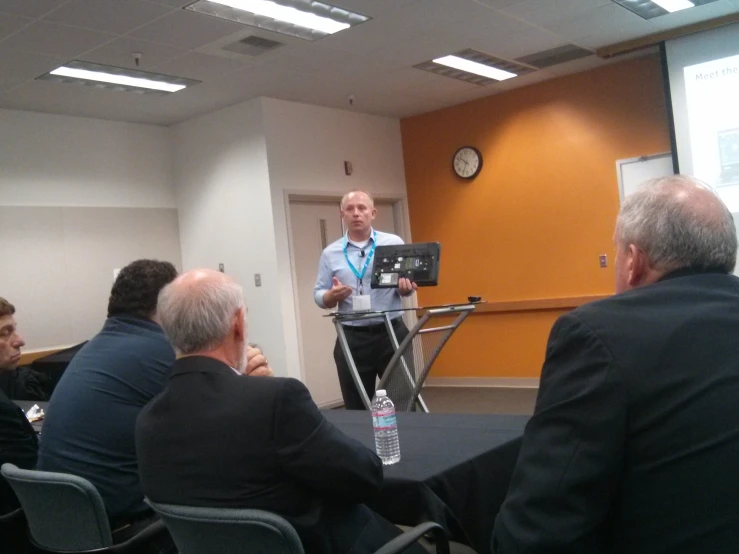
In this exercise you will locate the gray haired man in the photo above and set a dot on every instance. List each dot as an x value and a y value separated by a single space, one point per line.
216 438
634 442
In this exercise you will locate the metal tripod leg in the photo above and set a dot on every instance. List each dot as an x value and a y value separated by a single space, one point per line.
398 355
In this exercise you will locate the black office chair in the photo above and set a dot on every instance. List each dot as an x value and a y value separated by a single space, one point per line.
198 530
66 514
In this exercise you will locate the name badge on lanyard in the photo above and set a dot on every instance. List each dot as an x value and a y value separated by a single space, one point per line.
361 302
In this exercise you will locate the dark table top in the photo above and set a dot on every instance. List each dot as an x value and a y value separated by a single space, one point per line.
454 469
432 443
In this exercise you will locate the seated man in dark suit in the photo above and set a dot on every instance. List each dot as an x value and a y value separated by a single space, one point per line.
634 442
18 443
215 438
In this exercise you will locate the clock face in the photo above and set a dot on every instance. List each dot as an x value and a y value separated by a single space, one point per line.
467 162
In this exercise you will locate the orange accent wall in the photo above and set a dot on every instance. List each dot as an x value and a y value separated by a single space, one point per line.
535 220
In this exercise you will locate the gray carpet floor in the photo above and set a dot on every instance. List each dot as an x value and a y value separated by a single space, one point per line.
480 400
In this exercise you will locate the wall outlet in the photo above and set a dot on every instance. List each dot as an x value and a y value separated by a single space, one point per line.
115 273
603 259
221 268
257 279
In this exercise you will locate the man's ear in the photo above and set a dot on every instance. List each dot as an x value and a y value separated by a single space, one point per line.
638 266
238 324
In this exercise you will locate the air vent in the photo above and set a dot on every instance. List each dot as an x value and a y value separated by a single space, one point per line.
253 46
555 56
479 57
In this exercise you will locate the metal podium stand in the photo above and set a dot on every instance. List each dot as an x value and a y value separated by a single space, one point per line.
408 368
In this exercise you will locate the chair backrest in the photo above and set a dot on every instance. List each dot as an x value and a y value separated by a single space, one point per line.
198 530
65 513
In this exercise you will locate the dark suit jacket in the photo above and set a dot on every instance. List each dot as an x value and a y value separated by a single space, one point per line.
218 439
634 443
18 445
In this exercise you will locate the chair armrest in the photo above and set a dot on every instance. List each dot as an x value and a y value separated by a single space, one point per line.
400 543
11 516
144 536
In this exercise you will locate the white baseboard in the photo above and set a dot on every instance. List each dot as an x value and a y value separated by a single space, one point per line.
330 405
502 382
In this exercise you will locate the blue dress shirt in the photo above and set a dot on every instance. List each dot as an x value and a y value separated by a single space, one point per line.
333 264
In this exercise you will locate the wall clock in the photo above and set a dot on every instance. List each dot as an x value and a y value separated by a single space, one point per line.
467 162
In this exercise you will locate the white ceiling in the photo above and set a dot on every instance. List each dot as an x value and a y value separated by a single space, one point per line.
372 61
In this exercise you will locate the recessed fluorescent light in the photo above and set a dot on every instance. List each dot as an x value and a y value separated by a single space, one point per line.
649 9
674 5
305 19
287 14
475 67
119 78
103 77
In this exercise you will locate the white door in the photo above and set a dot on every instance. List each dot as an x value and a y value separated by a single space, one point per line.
313 225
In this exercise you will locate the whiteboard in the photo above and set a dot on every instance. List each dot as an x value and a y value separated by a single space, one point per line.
634 171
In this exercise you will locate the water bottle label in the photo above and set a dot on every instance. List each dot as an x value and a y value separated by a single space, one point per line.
384 422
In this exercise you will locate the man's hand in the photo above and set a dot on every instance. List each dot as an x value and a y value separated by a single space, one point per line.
406 287
256 363
336 293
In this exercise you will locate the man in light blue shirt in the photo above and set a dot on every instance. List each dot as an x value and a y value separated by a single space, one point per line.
344 277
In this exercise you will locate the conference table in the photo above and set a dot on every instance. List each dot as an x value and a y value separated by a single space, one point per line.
454 469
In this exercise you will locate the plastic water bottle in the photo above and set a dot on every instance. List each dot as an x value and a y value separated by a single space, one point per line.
386 428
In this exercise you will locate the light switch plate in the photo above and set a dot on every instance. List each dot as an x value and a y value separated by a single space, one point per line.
257 280
603 259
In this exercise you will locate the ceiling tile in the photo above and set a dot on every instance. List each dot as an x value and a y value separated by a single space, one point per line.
11 23
498 4
203 67
30 8
55 39
186 29
18 67
605 24
120 53
541 12
519 44
113 16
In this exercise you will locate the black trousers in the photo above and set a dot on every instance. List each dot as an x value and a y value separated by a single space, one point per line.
372 350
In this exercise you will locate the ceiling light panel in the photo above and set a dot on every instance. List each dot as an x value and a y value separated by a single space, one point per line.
474 67
649 9
117 78
298 18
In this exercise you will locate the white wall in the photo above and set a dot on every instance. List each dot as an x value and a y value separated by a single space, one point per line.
225 212
232 169
307 146
55 160
78 198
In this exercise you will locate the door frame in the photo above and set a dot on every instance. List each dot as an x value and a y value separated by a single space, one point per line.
402 224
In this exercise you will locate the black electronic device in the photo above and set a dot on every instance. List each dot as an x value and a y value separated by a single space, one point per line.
417 262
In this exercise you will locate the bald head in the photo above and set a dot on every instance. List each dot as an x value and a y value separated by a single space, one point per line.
198 310
679 222
358 195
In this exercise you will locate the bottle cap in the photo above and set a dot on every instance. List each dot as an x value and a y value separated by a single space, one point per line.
380 392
